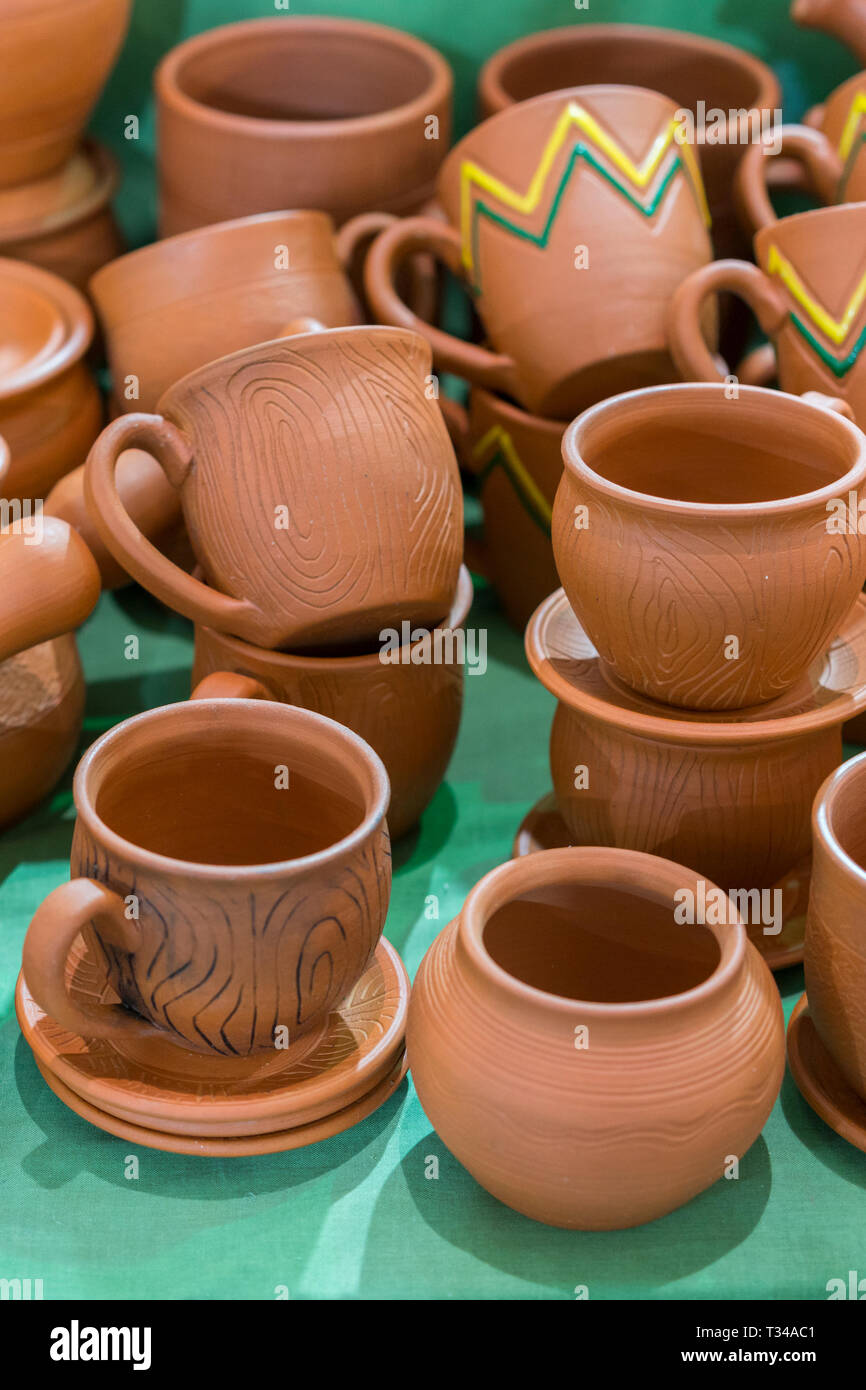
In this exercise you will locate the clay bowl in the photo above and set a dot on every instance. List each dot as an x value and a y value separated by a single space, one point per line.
41 710
64 222
288 112
408 711
56 60
588 1059
692 535
184 301
50 409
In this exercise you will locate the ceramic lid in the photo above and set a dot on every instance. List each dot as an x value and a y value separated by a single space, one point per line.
47 327
84 185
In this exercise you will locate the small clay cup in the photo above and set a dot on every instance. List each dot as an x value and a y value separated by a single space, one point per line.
593 1063
318 484
231 866
692 534
844 19
407 709
298 112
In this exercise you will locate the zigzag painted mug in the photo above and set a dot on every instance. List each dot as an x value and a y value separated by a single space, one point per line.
554 205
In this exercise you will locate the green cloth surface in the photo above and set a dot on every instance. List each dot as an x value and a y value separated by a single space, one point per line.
356 1217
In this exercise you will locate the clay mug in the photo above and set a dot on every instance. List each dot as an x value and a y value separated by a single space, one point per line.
695 537
590 1058
318 485
806 292
231 867
844 19
550 202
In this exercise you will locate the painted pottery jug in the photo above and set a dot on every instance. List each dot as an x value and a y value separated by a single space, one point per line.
590 1059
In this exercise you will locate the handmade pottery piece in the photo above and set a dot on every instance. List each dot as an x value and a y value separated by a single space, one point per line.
231 868
49 582
184 301
56 60
685 1051
692 533
548 201
820 1081
318 484
406 707
50 410
64 222
844 19
41 709
807 293
299 112
730 793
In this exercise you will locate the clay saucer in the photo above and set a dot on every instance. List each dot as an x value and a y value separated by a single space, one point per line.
77 191
157 1085
820 1082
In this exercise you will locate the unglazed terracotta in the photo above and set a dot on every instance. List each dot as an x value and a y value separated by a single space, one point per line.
50 409
407 709
41 709
820 1081
684 1042
298 112
549 202
49 583
250 839
692 536
807 293
56 59
182 302
844 19
319 487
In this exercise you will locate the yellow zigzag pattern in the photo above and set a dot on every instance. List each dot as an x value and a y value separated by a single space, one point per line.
836 330
852 124
498 438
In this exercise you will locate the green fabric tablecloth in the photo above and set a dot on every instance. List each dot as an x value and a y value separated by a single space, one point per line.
357 1216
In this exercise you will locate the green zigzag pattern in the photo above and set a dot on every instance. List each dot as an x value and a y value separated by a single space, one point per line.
498 460
839 366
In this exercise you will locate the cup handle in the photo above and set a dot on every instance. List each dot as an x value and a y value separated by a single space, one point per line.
387 254
686 341
230 685
49 585
352 235
49 938
825 402
810 148
122 537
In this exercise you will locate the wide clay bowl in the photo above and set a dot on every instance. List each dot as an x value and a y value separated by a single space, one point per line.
50 409
696 535
730 794
299 112
591 1058
41 709
406 707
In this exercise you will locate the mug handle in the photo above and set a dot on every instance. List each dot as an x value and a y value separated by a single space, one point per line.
825 402
122 537
686 341
352 235
387 254
49 938
230 685
808 147
48 585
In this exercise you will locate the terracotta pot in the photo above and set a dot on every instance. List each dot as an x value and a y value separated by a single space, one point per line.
517 460
250 840
319 489
547 206
684 1051
806 293
49 583
41 710
310 112
835 965
57 58
407 709
50 409
180 303
844 19
692 534
728 793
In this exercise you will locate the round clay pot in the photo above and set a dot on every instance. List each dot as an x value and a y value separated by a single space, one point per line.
844 19
408 710
592 1062
298 111
41 710
182 302
49 582
692 536
50 409
251 838
56 60
64 221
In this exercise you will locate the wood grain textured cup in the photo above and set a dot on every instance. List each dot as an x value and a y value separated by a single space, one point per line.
318 484
231 867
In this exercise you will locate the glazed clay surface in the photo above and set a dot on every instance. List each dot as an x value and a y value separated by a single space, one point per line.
685 1050
41 709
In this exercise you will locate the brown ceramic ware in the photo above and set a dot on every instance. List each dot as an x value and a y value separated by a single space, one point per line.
319 487
56 59
590 1060
819 1080
49 582
299 112
407 708
549 203
693 536
844 19
231 867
